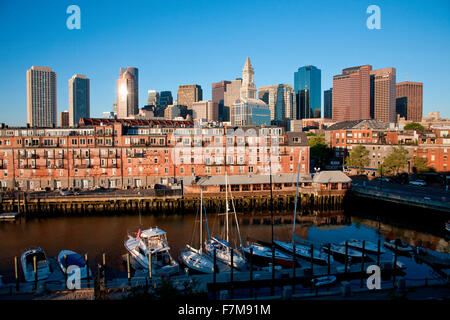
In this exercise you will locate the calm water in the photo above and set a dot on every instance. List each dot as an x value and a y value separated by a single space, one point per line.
97 235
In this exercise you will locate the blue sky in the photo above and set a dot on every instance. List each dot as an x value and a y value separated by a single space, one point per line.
185 42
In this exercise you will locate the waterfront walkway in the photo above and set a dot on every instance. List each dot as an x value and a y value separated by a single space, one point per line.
423 197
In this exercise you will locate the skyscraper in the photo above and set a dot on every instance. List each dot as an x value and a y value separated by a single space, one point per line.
308 78
152 98
351 94
165 98
188 94
127 93
383 94
232 93
205 110
218 96
328 103
248 88
281 99
248 110
79 95
410 99
41 97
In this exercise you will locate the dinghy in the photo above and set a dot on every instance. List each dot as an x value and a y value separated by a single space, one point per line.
71 258
42 265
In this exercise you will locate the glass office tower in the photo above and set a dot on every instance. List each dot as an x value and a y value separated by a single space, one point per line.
308 78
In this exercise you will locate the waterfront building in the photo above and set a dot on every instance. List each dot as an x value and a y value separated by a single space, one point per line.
409 100
188 94
308 88
79 98
128 93
152 98
132 153
281 99
351 94
41 97
383 94
64 118
218 96
328 103
205 110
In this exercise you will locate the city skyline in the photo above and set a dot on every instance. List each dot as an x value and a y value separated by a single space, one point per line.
70 52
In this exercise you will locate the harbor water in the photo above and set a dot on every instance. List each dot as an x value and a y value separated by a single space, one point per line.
96 235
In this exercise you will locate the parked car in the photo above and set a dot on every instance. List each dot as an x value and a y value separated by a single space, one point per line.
418 183
65 192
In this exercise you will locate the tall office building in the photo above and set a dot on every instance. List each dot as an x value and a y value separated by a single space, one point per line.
152 98
165 98
79 96
351 94
128 93
188 94
205 110
281 99
307 84
218 96
409 102
383 94
248 110
232 93
248 88
64 118
328 103
41 97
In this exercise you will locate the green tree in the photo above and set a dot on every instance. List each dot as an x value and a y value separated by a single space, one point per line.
310 134
414 126
359 157
321 153
420 164
395 161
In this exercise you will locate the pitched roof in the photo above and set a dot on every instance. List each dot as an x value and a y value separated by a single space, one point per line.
331 177
359 124
245 179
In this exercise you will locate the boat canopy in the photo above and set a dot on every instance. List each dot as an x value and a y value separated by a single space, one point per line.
152 232
225 243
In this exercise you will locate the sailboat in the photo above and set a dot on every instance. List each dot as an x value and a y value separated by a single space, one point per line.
195 259
223 247
303 251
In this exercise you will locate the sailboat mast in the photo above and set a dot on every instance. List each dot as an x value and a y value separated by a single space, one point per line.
201 220
226 204
296 196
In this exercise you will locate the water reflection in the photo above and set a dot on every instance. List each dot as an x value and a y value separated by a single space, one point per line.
97 235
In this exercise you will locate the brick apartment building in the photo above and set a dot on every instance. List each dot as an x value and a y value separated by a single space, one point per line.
129 153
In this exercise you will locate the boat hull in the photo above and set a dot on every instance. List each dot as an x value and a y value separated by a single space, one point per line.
304 252
82 266
196 263
43 266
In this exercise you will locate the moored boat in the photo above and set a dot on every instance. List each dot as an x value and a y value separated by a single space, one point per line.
223 253
323 281
304 252
369 246
70 258
152 242
262 256
43 270
399 246
339 252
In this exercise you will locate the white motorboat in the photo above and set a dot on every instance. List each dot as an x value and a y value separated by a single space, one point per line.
304 252
369 246
152 242
262 255
339 251
399 246
195 259
70 258
43 270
